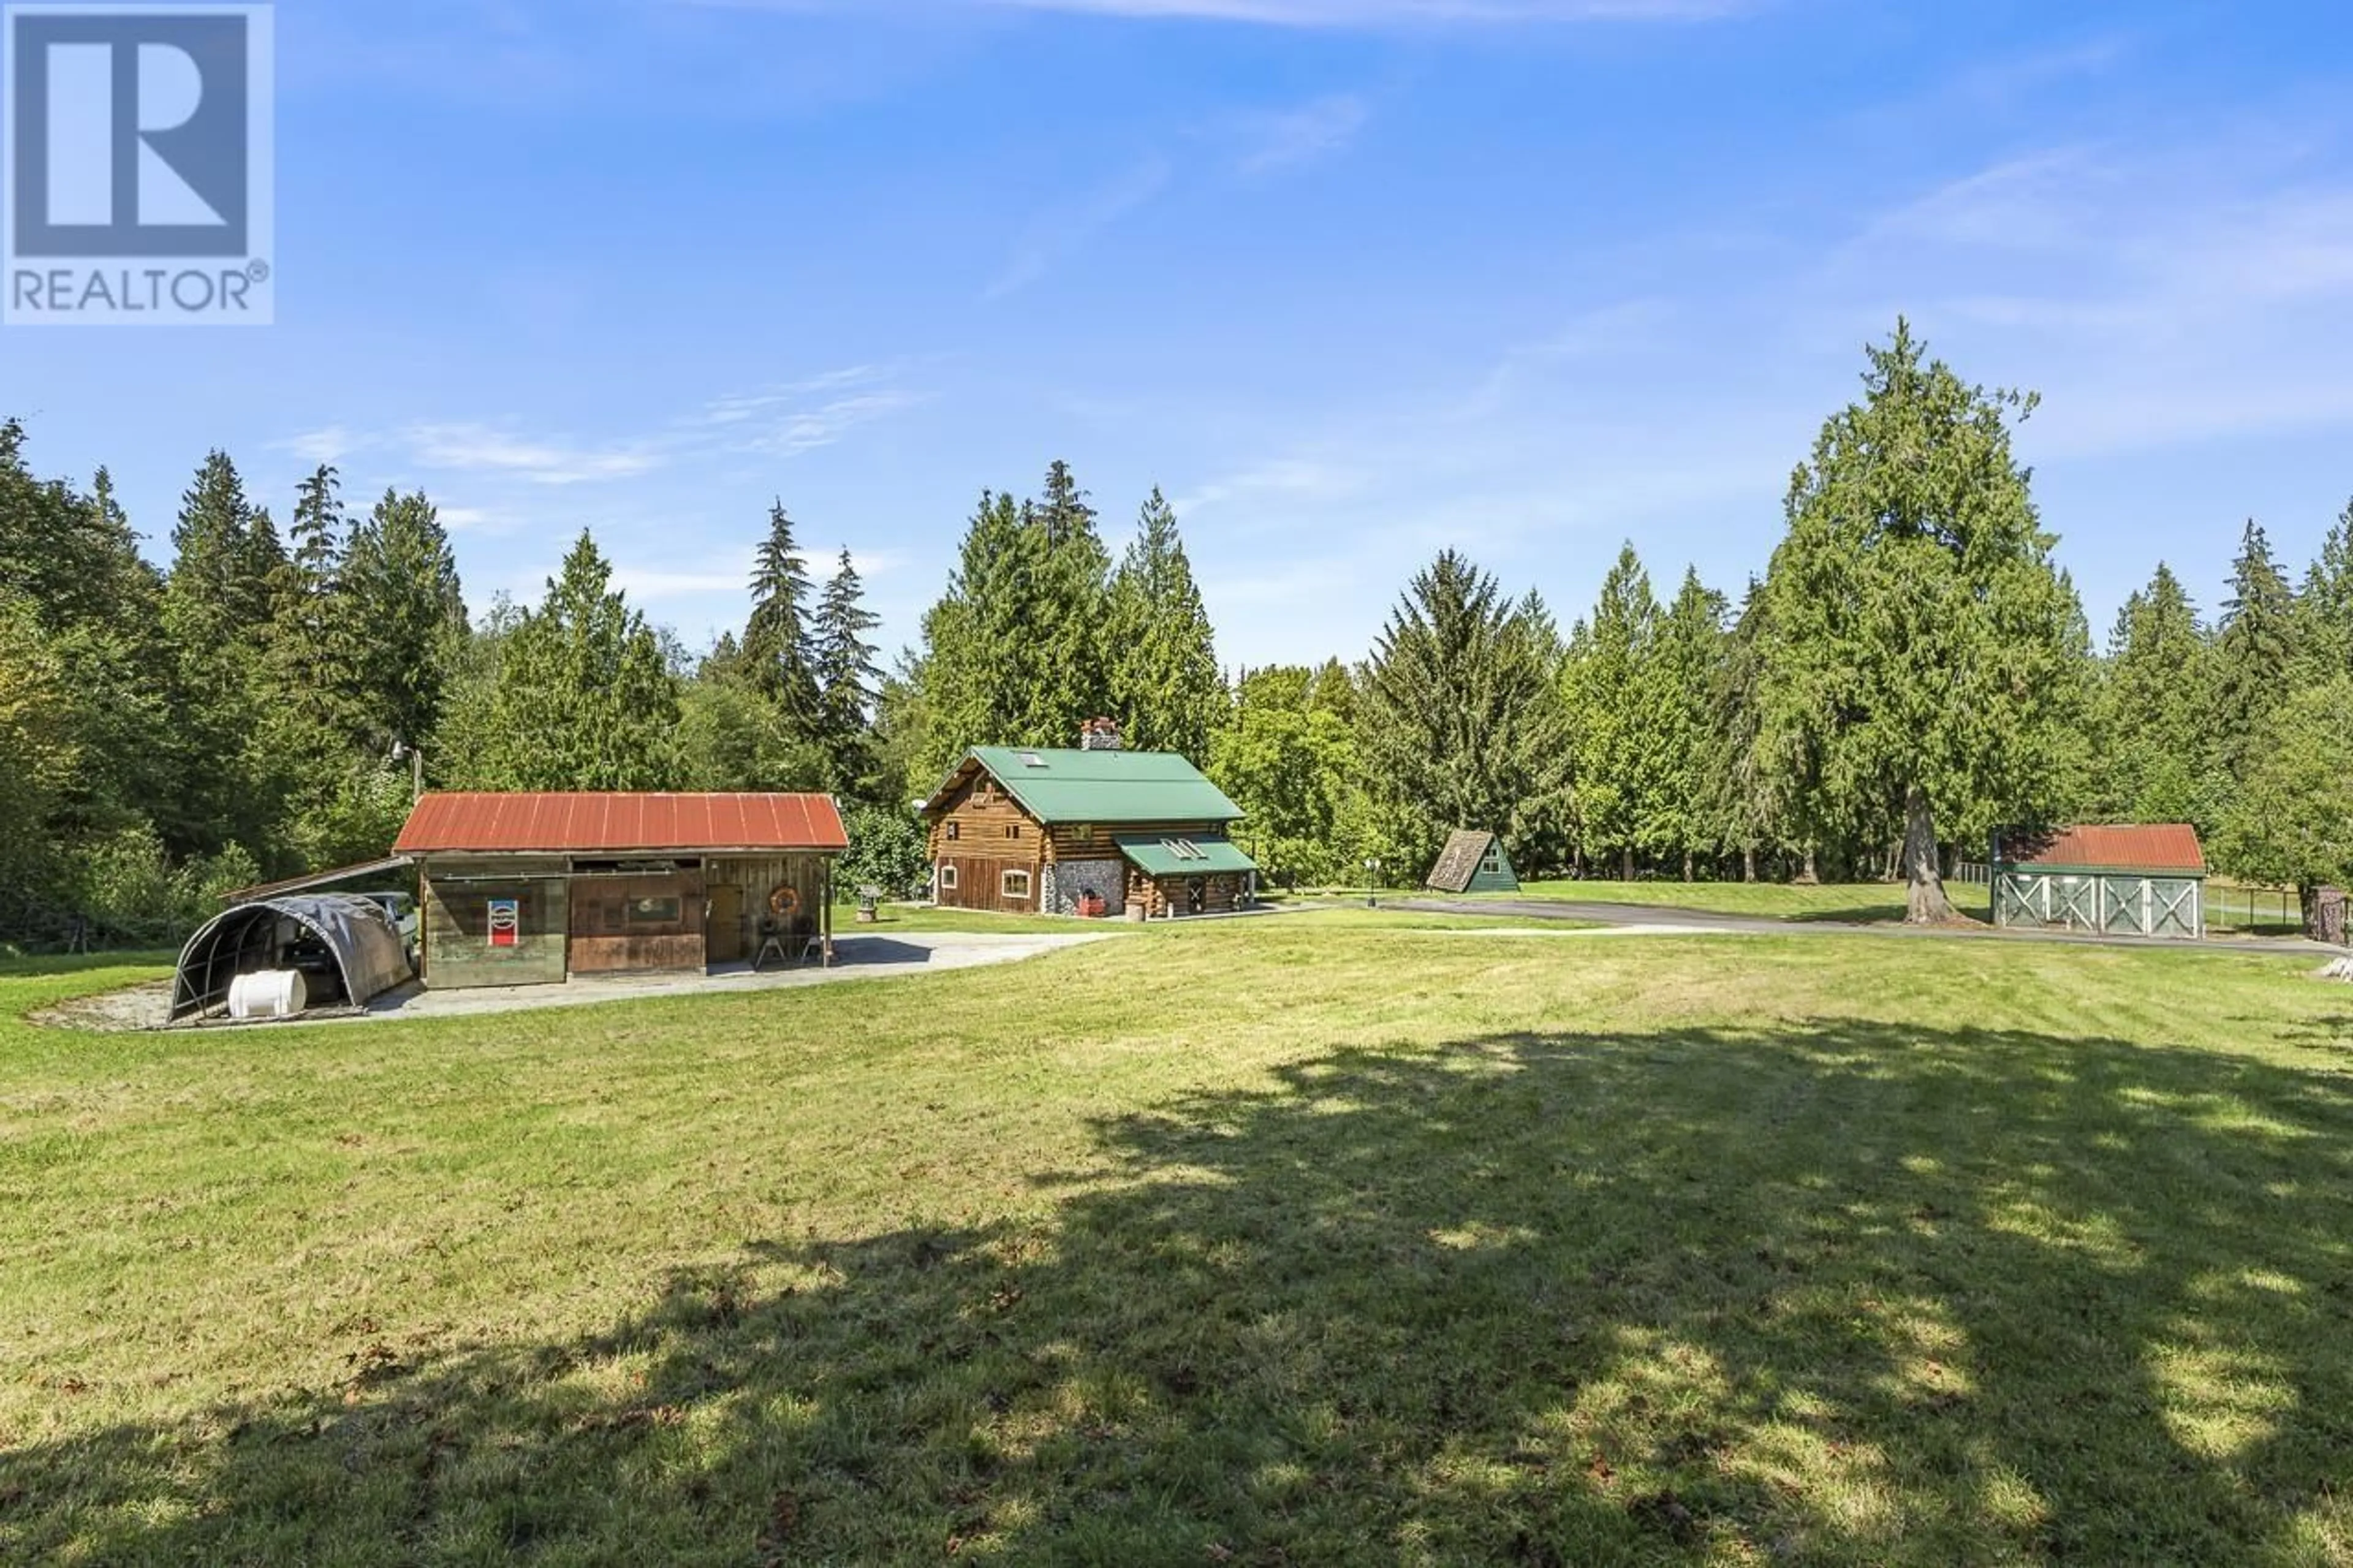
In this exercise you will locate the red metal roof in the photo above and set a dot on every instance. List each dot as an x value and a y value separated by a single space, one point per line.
611 824
2161 847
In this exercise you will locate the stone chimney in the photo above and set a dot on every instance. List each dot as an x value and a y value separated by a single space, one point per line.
1099 735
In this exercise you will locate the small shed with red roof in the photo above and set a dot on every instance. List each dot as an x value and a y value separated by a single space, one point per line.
521 889
2120 880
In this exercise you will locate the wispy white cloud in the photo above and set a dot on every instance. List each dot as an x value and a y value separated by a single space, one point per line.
329 444
652 585
2160 294
803 417
482 449
1053 236
474 520
1288 139
1294 478
872 564
782 420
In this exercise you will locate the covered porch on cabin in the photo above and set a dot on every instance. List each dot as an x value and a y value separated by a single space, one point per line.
1170 877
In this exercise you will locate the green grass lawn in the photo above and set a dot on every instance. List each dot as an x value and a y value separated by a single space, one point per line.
1299 1241
1863 902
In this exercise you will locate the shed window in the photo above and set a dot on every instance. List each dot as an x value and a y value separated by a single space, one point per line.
1015 885
947 879
1084 833
956 830
653 911
1012 830
1493 865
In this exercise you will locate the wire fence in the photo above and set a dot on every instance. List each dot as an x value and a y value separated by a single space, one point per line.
2259 911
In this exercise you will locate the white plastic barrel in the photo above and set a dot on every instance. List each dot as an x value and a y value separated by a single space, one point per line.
267 994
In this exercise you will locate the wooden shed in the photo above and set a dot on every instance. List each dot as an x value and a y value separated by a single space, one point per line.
1097 830
1473 862
529 890
2124 881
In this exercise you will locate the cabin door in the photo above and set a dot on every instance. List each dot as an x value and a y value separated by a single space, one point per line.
724 941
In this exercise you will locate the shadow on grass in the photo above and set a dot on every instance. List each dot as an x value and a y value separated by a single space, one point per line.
1847 1293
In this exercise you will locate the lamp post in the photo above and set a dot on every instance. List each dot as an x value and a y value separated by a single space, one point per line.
403 752
1372 884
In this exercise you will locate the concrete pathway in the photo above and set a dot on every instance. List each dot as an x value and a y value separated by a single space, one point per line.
855 958
1657 919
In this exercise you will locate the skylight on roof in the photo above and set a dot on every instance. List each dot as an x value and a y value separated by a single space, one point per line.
1032 760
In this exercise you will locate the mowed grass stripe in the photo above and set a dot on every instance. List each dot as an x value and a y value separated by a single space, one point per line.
1304 1240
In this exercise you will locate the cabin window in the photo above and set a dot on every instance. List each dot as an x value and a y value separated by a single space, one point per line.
1012 830
1493 865
947 879
1084 833
956 830
1015 885
653 911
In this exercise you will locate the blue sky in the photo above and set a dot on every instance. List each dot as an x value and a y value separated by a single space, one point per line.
1351 279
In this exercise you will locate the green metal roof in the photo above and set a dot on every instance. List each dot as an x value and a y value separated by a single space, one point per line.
1105 786
1159 855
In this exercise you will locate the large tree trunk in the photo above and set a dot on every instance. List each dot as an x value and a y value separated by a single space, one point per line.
1809 877
1749 863
1925 900
1688 865
1626 865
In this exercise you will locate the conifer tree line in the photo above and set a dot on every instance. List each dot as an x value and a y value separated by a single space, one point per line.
1911 669
170 734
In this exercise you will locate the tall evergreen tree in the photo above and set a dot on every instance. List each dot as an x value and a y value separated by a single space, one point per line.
407 611
2325 608
1741 793
585 698
846 671
2154 711
1069 680
1165 689
2254 653
1919 656
1459 716
778 653
318 706
964 678
1682 820
224 565
1616 708
2292 821
1014 652
218 609
847 677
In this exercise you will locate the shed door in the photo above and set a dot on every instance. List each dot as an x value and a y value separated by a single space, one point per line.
725 936
2075 902
2124 905
2014 901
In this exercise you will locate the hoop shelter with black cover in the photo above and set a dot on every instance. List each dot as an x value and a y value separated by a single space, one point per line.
354 938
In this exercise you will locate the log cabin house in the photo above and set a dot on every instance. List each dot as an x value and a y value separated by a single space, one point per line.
524 889
1097 830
